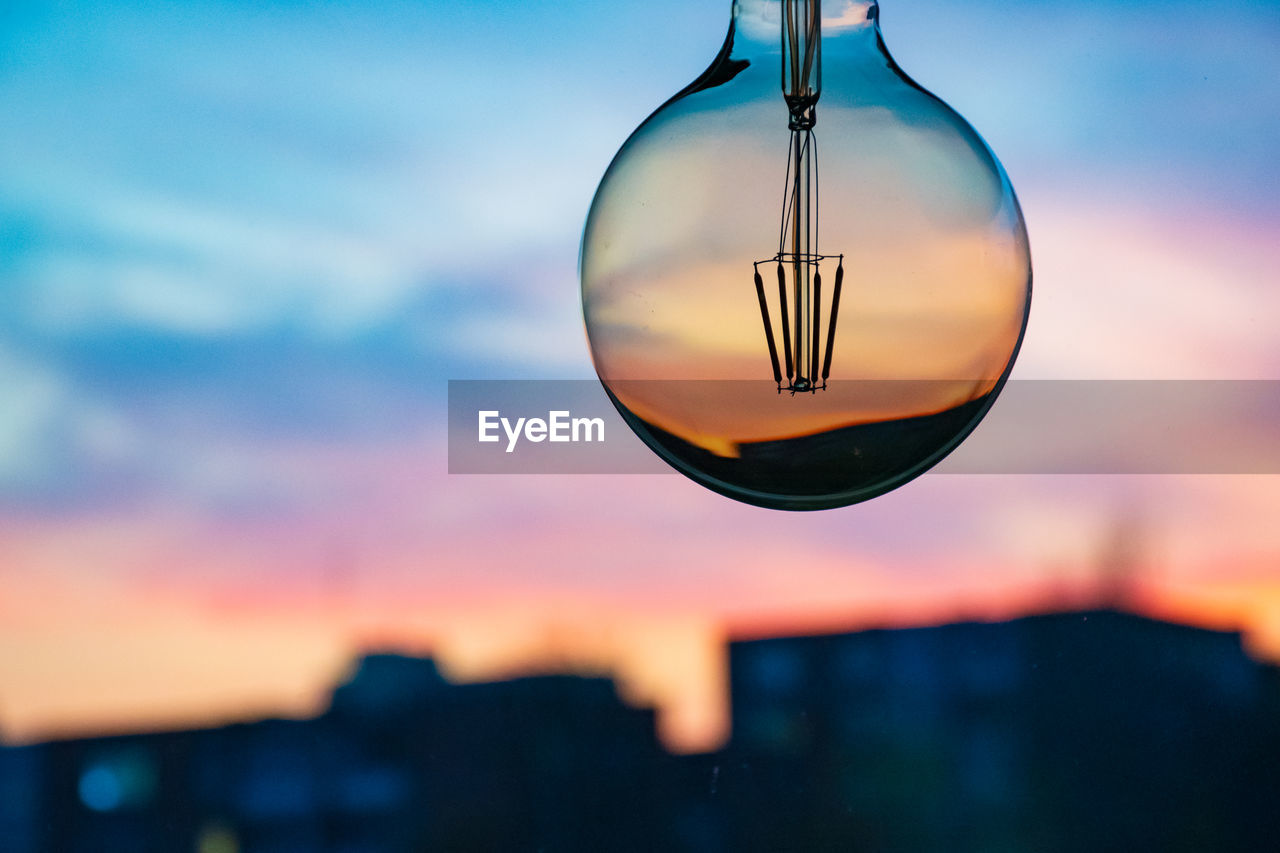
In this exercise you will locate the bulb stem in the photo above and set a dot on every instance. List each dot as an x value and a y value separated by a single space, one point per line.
803 253
802 60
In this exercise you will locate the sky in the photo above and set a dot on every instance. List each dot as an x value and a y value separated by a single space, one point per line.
243 247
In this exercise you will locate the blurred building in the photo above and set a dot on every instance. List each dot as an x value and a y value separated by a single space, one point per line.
1084 732
403 761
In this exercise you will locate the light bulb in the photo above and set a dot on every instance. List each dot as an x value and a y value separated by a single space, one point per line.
804 277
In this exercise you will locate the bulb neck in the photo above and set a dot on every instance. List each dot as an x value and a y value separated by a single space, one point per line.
794 35
760 29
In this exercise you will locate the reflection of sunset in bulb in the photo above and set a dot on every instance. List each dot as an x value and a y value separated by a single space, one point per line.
873 187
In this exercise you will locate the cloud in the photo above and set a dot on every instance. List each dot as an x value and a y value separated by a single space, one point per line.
33 401
183 267
1126 293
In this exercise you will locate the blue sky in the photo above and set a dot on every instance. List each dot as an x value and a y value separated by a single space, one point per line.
273 220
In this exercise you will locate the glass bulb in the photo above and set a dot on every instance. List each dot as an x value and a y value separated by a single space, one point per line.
803 295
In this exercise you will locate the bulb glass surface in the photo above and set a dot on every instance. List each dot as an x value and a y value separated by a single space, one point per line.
896 190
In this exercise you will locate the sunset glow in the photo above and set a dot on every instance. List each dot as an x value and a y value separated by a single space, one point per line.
241 260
